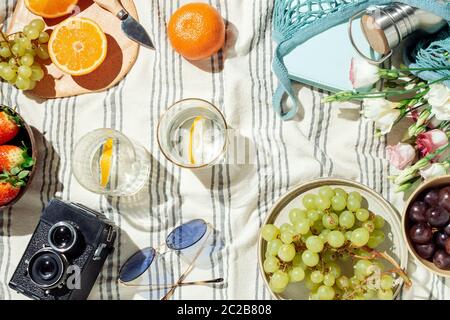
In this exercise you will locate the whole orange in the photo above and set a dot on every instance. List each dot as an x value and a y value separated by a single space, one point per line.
196 31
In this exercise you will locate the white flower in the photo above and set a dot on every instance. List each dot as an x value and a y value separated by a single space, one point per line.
439 99
383 112
433 171
363 74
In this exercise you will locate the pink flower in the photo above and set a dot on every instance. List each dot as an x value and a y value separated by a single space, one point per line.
363 74
401 155
430 141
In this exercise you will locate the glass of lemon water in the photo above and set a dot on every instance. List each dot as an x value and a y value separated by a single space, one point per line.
107 162
192 134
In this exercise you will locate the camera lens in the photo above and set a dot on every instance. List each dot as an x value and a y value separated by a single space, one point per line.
62 236
46 268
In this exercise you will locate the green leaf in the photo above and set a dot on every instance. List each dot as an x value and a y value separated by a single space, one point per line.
28 163
15 171
23 174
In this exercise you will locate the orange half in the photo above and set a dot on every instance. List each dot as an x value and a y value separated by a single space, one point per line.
78 46
51 8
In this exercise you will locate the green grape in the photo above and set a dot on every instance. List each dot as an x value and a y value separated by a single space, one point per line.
311 286
12 63
25 43
330 221
317 226
43 37
369 225
325 293
355 195
32 85
348 235
344 257
362 214
379 222
280 279
271 264
354 282
343 282
274 289
42 52
369 294
286 252
36 73
297 261
309 201
22 83
313 295
353 204
24 72
340 192
304 237
296 274
18 50
338 203
273 246
287 236
324 235
347 220
316 277
360 237
303 226
31 32
268 232
326 192
3 65
333 268
329 256
329 280
387 282
313 215
37 24
310 258
314 244
363 267
27 60
336 239
9 73
31 52
385 294
295 215
287 226
323 203
5 52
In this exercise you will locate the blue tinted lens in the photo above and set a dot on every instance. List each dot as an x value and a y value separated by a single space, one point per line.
137 264
186 235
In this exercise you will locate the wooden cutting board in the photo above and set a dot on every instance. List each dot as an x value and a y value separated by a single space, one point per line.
122 52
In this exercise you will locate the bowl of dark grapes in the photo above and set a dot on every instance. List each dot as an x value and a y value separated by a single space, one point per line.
333 239
426 223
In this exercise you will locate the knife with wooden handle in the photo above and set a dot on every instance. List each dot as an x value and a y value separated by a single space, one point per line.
132 28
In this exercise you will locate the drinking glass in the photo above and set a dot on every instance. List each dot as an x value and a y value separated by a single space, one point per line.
122 170
193 134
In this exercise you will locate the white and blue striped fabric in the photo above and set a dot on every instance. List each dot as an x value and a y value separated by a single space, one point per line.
325 141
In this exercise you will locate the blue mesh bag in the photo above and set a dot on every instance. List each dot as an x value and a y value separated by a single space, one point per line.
296 21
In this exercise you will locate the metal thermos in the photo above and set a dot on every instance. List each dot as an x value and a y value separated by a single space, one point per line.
386 27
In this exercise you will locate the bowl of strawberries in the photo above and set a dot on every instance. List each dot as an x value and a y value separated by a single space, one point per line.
17 156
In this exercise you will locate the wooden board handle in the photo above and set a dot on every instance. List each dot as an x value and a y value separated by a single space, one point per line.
113 6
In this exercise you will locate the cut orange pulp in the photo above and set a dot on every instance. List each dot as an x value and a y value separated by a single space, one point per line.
78 46
51 8
105 162
191 139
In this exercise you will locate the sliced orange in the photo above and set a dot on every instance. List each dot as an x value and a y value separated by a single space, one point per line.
78 46
105 162
51 8
191 139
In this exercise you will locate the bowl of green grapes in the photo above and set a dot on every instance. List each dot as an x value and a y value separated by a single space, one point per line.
333 239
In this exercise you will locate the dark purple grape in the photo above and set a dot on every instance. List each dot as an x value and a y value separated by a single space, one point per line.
441 260
431 197
421 233
447 229
426 251
437 217
444 198
417 212
447 246
440 238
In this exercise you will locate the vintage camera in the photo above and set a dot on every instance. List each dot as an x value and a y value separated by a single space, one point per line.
65 254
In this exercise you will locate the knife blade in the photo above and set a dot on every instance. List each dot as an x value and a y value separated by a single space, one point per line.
130 26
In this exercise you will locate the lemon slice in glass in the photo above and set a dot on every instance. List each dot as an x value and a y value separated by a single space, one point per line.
105 162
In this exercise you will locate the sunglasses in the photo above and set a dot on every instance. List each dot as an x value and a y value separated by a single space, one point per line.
181 238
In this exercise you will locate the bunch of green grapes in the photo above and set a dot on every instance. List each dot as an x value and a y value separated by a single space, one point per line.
18 64
333 228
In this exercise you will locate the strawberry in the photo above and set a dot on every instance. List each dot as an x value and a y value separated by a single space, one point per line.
11 183
9 126
8 192
14 157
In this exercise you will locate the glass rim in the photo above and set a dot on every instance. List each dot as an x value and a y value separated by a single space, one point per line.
195 242
97 191
192 167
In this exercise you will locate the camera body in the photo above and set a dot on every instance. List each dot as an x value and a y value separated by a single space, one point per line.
65 254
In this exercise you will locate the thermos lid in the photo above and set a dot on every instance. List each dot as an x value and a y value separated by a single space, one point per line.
375 35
